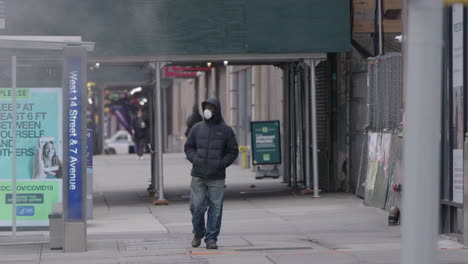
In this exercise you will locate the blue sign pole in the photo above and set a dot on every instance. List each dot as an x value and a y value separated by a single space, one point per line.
75 96
75 141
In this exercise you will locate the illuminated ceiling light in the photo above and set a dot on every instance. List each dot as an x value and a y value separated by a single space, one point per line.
135 90
226 63
97 65
90 85
208 64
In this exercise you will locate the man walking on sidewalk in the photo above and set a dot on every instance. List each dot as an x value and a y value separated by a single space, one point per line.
211 147
139 127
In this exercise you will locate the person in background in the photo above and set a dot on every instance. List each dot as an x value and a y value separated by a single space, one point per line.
139 127
194 118
211 147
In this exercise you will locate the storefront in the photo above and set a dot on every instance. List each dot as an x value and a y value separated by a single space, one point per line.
454 121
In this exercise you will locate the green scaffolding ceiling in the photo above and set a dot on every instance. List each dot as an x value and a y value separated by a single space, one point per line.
188 27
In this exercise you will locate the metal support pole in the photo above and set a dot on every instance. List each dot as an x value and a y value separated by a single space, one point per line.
159 135
164 99
13 155
217 83
197 90
465 191
314 128
299 126
154 173
159 125
249 103
100 135
286 128
245 106
290 130
421 149
307 131
312 64
347 73
212 84
207 78
293 124
379 12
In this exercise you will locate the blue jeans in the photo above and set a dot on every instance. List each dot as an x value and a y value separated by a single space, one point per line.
140 146
206 194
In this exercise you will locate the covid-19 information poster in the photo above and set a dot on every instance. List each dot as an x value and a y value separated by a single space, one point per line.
266 144
38 154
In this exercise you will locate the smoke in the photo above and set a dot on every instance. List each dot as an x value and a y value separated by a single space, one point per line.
136 27
95 21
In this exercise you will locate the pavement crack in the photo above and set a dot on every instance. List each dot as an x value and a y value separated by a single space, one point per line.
119 249
271 260
252 204
142 198
357 258
246 240
40 252
107 202
323 244
157 219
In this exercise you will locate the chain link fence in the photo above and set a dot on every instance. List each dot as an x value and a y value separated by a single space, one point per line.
379 168
384 93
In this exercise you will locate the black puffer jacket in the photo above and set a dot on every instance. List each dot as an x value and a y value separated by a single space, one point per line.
211 146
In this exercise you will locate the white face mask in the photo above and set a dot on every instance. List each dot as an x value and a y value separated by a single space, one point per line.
207 114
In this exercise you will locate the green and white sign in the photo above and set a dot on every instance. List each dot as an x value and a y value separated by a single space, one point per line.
38 154
266 143
34 199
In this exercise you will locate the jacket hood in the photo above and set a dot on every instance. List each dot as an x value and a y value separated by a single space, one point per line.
215 102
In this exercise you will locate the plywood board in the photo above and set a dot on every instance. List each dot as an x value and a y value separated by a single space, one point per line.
367 26
393 4
362 5
366 5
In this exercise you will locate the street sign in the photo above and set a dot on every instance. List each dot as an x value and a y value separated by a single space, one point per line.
75 142
266 142
183 72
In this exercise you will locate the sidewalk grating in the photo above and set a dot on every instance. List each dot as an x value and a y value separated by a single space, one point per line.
274 249
145 245
20 240
188 261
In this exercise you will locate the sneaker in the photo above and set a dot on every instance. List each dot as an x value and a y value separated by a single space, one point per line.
211 245
196 241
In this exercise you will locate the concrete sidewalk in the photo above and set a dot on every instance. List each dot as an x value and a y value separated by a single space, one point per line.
263 222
